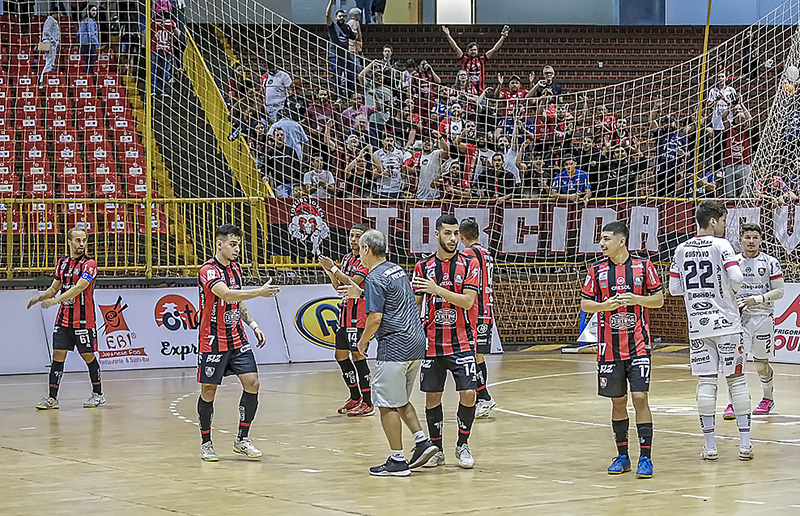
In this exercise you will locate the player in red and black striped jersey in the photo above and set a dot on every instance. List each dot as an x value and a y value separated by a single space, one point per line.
355 372
75 325
223 347
482 311
446 285
622 288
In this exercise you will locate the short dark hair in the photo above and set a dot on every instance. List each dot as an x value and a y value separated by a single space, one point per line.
341 11
72 231
471 44
617 228
445 219
708 210
227 230
360 227
750 226
389 47
469 228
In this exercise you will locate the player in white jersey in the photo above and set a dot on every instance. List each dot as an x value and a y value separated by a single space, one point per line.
763 285
705 271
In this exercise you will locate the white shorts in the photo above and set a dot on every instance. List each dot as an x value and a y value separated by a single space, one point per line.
393 382
758 334
724 354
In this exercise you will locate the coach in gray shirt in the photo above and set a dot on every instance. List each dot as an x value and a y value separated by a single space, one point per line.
392 316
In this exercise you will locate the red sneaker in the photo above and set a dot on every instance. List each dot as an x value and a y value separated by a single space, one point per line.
764 408
350 405
362 409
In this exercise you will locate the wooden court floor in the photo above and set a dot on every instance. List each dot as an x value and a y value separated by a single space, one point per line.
544 451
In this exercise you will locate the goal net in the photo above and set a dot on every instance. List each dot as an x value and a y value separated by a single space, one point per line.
297 134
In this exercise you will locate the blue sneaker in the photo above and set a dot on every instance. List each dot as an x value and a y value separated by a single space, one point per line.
620 465
645 469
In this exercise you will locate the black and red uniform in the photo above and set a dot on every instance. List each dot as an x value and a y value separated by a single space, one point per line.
223 347
353 317
476 69
482 312
75 322
450 332
623 350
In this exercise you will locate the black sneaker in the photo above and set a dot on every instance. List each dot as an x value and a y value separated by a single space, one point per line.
391 468
423 451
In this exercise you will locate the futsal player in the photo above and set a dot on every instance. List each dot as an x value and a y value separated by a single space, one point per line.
393 316
705 271
482 311
763 285
446 286
355 372
75 325
622 287
223 346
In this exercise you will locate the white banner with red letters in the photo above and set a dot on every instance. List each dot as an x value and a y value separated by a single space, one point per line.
152 328
787 325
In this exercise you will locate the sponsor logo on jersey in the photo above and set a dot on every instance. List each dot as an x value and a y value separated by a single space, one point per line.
231 317
762 337
703 321
721 324
603 382
621 280
762 271
445 316
640 361
318 320
696 345
622 321
702 305
693 295
602 276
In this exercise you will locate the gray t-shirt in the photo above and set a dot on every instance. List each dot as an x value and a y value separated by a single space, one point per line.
400 335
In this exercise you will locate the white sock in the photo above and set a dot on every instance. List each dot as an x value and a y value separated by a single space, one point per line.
707 424
767 385
398 455
743 422
419 437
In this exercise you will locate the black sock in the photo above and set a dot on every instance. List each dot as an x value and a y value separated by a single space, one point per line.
94 376
205 411
435 418
248 404
364 380
621 435
482 391
56 372
350 377
466 416
645 432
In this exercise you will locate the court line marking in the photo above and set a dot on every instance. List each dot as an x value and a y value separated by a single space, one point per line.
525 476
696 497
603 487
142 379
749 502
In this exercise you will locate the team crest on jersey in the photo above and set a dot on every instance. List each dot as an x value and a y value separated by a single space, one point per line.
308 224
638 281
459 278
762 271
211 274
603 382
210 371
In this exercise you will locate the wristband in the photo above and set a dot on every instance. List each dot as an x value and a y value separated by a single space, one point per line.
334 269
763 299
254 325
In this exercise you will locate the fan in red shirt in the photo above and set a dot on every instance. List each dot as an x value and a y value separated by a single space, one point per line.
75 325
164 30
355 372
473 61
482 311
621 288
511 94
223 347
446 285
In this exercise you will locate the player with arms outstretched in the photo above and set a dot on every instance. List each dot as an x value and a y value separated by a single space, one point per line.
351 326
223 347
75 324
705 271
763 285
622 287
446 285
482 311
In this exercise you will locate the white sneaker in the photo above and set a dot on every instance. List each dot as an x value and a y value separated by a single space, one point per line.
95 400
709 454
207 452
746 453
436 460
245 446
464 456
47 403
483 407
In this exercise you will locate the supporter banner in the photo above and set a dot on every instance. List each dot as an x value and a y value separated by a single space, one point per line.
525 230
24 348
787 325
154 328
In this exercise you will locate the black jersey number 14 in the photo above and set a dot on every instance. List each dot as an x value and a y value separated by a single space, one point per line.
704 269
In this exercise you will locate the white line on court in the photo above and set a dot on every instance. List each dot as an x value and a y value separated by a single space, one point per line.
524 476
749 502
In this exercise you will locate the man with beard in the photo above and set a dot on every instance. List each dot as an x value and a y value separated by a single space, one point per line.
473 61
446 285
342 64
283 170
425 166
389 180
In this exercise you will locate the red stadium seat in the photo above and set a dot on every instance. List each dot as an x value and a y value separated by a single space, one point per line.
56 87
31 170
21 62
7 169
40 220
75 63
118 109
123 137
16 221
89 108
5 95
98 172
6 136
120 222
89 124
96 136
158 219
29 92
67 169
109 188
81 82
137 187
62 107
23 80
122 123
131 152
105 63
65 136
10 187
34 135
7 152
41 187
73 186
100 152
61 123
113 93
34 151
83 219
67 151
110 79
133 169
